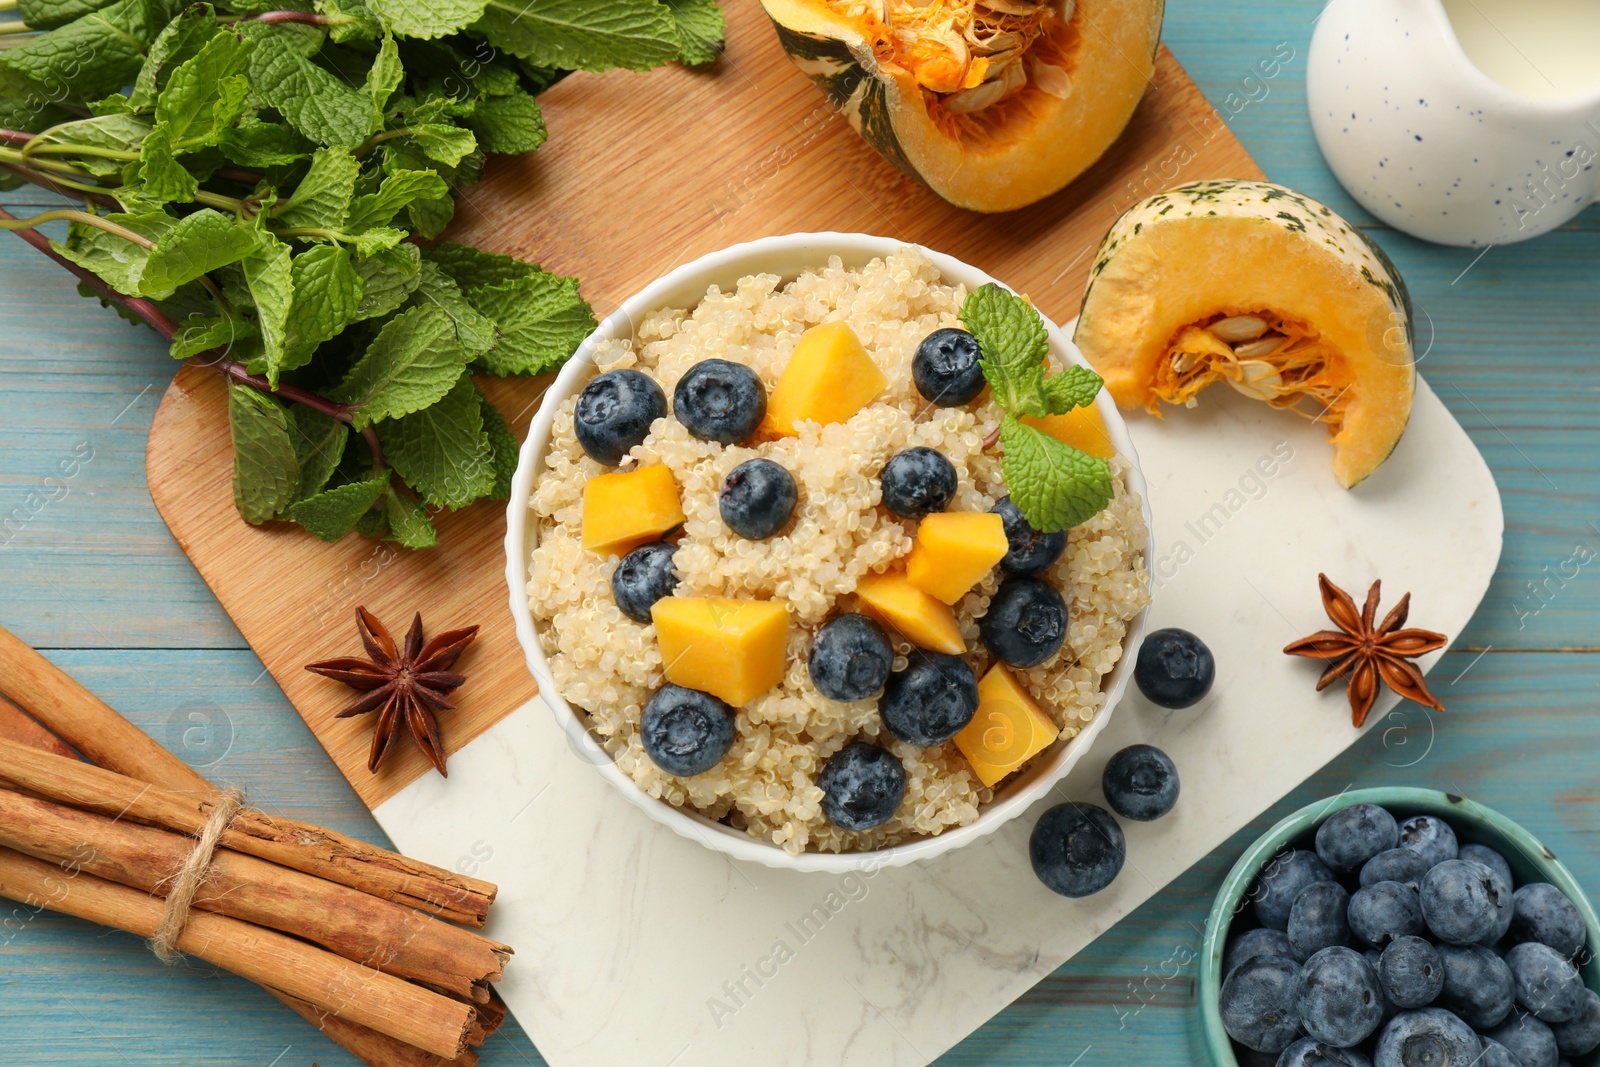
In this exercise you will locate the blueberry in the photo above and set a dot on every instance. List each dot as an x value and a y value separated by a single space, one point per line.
643 577
1542 913
1027 550
1351 836
1281 881
850 658
1174 669
1318 919
946 368
1077 849
1340 1002
1496 1055
1383 911
931 700
1026 622
1477 985
1427 1037
1309 1052
720 401
1580 1035
684 731
862 786
1403 865
1262 941
1489 858
1411 972
614 413
917 481
757 499
1528 1039
1547 983
1460 901
1430 836
1140 783
1504 902
1260 1003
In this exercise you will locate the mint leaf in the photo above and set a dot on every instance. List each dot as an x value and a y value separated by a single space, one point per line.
701 30
179 41
93 55
319 442
314 102
327 293
411 364
352 20
203 333
541 321
265 470
48 14
253 143
1055 485
268 273
503 445
323 196
206 93
441 450
119 262
124 133
508 125
428 18
160 176
334 512
397 191
581 34
1013 343
473 269
387 279
383 78
378 239
199 243
443 144
1075 387
436 288
408 520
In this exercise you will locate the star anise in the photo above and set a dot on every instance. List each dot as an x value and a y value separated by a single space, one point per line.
407 688
1367 653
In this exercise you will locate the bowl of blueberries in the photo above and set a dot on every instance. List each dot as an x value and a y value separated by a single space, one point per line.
1400 927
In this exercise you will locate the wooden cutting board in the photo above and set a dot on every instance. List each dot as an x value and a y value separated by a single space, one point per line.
643 172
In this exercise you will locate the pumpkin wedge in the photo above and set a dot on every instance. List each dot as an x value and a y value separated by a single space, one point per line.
992 104
1265 289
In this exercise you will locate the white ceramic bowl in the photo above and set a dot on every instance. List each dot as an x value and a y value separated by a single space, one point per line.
786 256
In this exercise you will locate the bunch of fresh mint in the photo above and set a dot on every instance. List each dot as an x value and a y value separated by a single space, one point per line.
253 176
1055 485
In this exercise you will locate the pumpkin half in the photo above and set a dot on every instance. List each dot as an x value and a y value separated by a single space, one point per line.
1257 286
992 104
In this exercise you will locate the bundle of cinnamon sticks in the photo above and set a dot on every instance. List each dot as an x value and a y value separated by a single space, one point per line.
96 819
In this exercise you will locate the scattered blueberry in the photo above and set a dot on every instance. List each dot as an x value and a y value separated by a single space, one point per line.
1477 985
1548 984
614 413
1027 550
1543 913
1496 1055
1460 901
1351 836
1580 1035
1026 622
1077 849
946 368
1340 1002
1282 881
850 658
1174 669
1411 972
1140 783
684 731
642 577
1318 919
1261 941
917 481
720 401
1427 1037
1528 1039
931 700
1260 1003
862 786
757 499
1309 1052
1430 836
1403 865
1383 911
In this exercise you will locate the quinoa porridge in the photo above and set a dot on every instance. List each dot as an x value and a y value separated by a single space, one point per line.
608 665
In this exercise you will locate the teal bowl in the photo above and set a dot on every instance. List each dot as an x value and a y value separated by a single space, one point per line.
1530 861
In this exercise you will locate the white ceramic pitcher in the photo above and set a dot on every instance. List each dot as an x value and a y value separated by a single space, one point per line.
1466 122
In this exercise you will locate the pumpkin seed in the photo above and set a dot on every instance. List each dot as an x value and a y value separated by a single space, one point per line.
1050 78
1239 328
1258 379
969 100
1256 349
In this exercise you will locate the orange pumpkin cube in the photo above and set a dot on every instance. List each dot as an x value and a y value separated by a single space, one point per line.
733 649
921 619
1008 729
1082 428
624 509
829 377
953 552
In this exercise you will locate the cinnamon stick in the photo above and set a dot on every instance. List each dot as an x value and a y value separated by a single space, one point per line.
17 725
361 995
361 928
369 1046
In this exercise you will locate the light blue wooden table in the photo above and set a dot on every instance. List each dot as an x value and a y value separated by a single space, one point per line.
92 576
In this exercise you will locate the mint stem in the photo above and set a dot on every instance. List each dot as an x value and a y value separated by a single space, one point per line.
15 136
16 27
11 222
304 17
61 186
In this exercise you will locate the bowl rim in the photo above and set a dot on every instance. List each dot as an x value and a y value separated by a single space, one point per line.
798 251
1470 820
